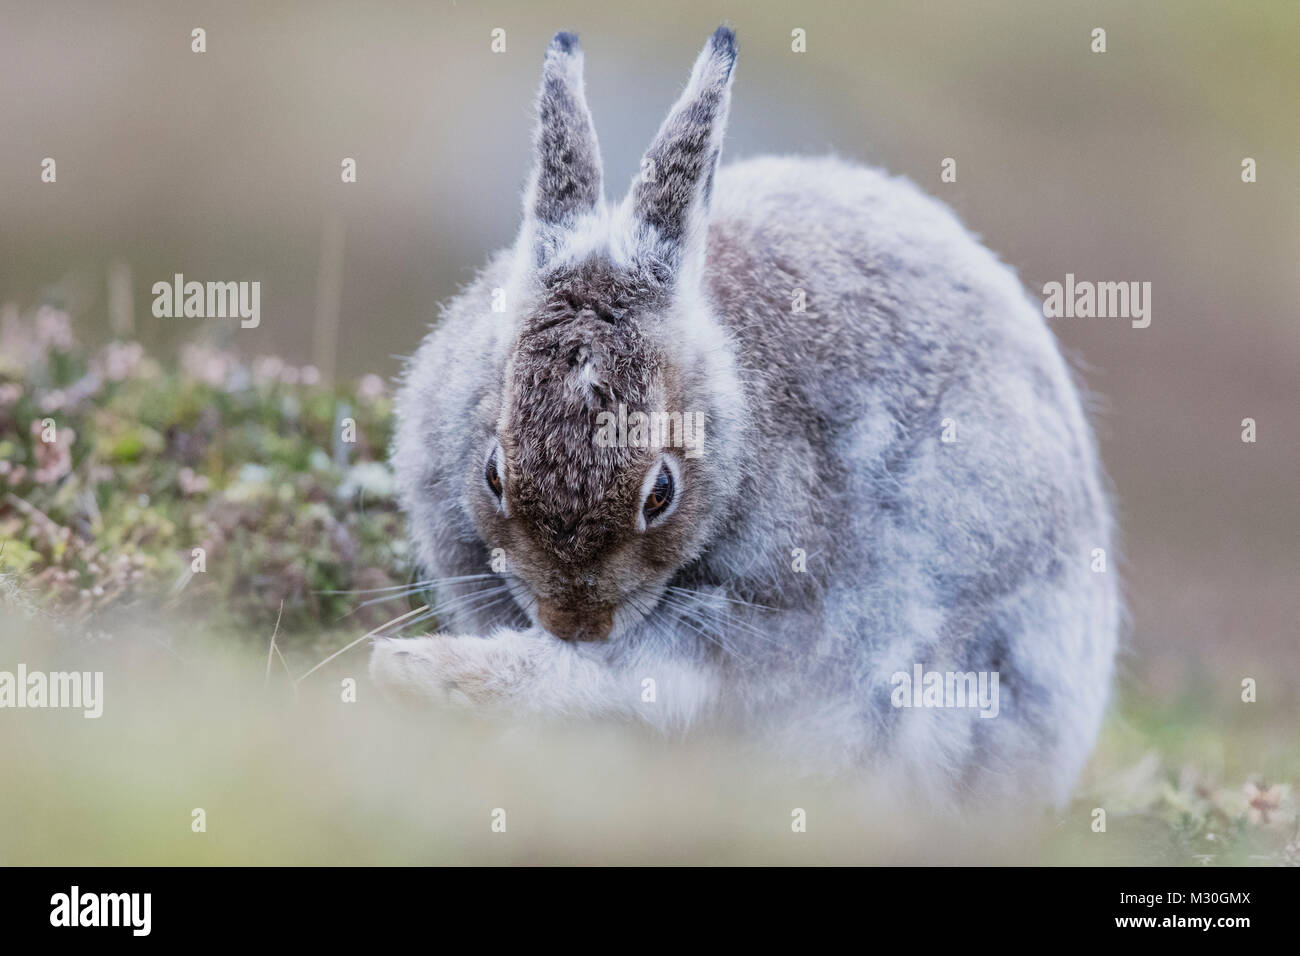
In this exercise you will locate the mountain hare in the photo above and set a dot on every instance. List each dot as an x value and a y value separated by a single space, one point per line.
777 446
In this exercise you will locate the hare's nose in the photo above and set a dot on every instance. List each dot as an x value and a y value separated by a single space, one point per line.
576 624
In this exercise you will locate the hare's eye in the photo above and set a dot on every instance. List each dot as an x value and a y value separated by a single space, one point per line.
661 490
660 496
493 476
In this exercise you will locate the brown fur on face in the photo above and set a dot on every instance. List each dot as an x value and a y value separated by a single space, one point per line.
576 623
589 345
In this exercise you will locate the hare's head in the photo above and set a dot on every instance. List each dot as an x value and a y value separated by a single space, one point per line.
612 460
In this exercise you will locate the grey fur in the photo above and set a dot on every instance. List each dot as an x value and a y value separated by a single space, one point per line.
684 155
824 435
567 178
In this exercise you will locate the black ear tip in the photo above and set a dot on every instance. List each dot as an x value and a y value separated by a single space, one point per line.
723 42
565 42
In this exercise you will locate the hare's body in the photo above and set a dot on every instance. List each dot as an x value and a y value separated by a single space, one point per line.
901 477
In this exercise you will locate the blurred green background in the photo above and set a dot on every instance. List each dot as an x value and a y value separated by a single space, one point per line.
1117 166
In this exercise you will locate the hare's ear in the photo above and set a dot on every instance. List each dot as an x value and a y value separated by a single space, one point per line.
670 196
566 179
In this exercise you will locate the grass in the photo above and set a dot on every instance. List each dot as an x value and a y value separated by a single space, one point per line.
247 461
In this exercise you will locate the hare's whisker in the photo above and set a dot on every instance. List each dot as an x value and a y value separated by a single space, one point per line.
410 586
396 620
704 595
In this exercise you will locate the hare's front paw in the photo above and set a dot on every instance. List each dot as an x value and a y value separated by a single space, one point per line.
466 671
430 668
